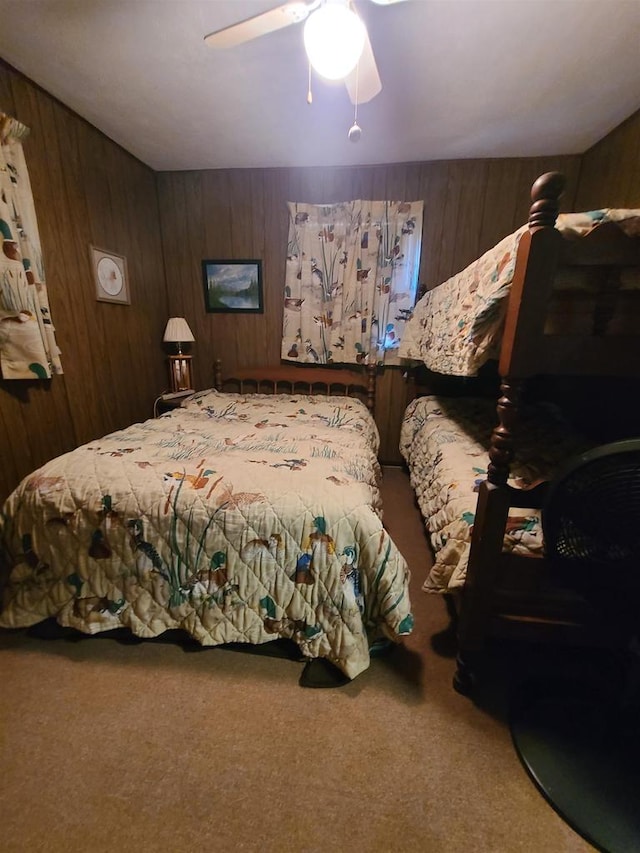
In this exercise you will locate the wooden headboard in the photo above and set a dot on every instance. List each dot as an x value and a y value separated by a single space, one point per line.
290 379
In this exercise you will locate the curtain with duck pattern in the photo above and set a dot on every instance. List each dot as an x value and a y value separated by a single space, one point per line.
351 280
28 348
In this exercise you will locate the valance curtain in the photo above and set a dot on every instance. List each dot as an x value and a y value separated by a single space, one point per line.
28 348
351 280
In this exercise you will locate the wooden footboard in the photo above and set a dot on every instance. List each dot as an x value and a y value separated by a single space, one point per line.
290 379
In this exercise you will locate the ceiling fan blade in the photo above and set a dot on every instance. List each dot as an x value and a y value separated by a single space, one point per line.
364 83
386 2
260 25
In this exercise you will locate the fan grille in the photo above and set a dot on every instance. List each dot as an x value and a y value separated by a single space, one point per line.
592 516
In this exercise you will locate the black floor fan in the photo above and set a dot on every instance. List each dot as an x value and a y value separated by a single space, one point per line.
577 732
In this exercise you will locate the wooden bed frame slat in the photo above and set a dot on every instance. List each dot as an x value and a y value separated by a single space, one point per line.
571 355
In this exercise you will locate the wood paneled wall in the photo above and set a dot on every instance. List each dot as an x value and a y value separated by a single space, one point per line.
610 175
87 190
469 206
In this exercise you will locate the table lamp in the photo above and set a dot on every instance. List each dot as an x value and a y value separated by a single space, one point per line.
178 332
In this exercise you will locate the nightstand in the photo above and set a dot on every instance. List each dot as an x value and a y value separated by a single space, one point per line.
169 401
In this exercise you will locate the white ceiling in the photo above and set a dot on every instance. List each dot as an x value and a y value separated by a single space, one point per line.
461 79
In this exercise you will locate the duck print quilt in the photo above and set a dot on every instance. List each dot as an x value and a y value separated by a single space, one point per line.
235 518
445 442
456 327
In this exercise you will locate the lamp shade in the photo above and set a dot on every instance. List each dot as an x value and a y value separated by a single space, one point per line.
177 331
334 37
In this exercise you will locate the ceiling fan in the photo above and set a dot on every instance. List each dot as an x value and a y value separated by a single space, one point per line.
332 24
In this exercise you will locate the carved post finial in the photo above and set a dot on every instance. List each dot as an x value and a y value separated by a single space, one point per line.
545 195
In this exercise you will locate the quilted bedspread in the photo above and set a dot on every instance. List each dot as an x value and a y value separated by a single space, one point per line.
456 327
445 442
235 518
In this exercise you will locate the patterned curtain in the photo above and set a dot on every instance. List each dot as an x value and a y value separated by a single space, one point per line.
351 280
28 348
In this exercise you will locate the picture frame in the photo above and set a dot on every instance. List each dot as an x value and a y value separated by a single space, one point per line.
232 286
110 276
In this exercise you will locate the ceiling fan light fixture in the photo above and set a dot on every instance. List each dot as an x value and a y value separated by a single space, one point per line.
334 38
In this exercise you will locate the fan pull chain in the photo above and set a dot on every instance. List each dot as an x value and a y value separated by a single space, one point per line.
355 132
309 95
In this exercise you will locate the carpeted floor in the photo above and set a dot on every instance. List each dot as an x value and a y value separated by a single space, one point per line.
154 746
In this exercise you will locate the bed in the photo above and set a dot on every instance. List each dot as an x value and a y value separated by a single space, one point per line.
238 517
559 297
445 442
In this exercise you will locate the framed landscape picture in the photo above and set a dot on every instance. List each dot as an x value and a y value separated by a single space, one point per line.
232 287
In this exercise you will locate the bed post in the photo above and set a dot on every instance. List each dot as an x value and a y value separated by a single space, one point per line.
535 263
489 525
217 374
502 437
372 371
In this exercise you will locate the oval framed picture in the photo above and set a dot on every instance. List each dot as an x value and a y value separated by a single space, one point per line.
110 275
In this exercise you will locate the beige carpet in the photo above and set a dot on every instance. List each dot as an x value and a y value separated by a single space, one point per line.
147 747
